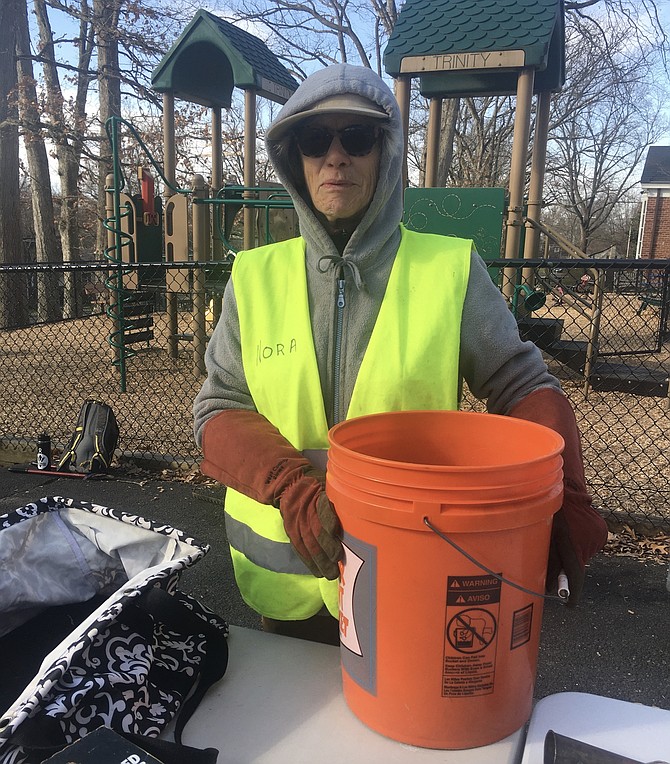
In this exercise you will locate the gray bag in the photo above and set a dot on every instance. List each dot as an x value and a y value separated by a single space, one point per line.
93 442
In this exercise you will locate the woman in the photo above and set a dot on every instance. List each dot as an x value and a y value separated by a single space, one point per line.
357 315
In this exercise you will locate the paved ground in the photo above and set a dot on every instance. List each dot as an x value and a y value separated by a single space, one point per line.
616 643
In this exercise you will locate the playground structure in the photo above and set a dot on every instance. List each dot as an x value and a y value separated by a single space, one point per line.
209 60
454 49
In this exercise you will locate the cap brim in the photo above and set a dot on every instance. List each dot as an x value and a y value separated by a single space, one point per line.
278 131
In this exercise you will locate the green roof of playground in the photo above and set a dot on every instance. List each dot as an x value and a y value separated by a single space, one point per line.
478 47
211 57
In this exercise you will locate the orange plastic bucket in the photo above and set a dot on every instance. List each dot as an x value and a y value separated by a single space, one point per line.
437 652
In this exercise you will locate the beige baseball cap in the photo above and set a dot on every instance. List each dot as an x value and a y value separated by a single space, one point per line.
346 103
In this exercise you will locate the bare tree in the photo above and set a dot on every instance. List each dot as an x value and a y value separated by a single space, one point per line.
448 120
483 142
106 15
606 117
12 295
323 31
46 241
67 121
131 38
621 229
641 19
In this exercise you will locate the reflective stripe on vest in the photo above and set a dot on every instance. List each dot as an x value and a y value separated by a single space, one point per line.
411 363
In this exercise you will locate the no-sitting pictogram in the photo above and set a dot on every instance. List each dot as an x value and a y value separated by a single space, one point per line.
472 630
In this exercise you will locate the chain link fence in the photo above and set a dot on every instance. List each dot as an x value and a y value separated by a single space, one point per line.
134 336
602 327
123 336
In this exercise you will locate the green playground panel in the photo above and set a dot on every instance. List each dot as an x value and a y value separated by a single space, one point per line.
470 213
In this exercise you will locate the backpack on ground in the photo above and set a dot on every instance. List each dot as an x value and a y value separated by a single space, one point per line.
92 445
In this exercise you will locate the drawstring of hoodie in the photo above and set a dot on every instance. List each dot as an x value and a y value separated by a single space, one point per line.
341 264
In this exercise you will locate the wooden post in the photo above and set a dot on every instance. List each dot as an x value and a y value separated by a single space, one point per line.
111 276
402 92
217 142
169 170
433 142
217 179
532 240
200 255
249 165
524 98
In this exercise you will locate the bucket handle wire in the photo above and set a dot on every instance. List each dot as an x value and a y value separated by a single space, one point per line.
498 576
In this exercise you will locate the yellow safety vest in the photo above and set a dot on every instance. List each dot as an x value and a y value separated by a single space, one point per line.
411 363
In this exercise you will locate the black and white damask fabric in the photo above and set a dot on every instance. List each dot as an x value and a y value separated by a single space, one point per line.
121 667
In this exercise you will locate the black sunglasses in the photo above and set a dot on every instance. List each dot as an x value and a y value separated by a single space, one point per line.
356 140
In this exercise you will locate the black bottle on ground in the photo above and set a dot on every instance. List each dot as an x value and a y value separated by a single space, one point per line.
43 452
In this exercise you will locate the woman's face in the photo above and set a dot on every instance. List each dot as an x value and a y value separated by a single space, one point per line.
341 186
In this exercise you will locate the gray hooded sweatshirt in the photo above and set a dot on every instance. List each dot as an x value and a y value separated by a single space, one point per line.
496 365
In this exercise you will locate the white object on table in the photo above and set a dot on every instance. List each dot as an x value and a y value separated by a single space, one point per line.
281 702
629 729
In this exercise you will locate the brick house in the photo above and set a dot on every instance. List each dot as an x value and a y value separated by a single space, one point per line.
654 235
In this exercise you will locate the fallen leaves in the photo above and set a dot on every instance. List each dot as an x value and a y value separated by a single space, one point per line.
145 474
645 547
193 476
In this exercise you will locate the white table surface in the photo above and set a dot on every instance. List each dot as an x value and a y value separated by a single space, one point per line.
281 702
629 729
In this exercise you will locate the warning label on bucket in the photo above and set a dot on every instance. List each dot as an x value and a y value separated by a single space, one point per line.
473 609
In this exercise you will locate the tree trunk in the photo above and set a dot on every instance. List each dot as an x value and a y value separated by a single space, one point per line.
13 310
68 136
46 242
450 108
106 14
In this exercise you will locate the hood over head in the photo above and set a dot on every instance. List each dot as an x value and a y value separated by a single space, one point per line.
343 88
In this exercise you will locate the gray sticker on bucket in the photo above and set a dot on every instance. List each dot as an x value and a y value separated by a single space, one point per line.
358 612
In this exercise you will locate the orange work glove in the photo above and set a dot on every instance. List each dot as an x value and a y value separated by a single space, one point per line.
244 451
578 531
